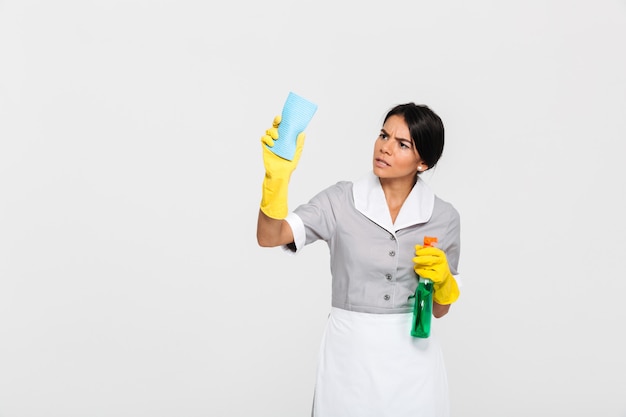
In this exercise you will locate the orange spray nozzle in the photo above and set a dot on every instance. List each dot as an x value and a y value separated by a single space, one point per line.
429 240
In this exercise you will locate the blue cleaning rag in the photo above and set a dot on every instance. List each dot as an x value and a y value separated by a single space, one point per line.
296 115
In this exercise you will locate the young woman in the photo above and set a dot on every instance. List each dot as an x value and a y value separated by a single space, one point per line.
369 364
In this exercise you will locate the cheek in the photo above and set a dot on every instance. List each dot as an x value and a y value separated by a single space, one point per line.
410 162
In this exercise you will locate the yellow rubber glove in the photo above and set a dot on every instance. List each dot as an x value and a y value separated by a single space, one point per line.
431 263
277 173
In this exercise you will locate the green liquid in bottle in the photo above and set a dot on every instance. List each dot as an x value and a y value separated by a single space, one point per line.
423 309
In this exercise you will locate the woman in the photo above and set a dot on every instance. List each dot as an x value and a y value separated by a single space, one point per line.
369 363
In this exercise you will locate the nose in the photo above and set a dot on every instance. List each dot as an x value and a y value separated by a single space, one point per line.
385 147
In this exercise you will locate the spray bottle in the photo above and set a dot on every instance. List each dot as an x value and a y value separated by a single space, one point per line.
423 307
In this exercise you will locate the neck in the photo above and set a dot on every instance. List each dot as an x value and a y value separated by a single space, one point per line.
396 192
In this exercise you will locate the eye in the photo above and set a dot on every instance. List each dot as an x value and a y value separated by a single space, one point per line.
404 145
383 136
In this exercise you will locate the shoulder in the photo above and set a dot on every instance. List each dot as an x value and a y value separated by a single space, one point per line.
326 204
445 209
342 186
329 198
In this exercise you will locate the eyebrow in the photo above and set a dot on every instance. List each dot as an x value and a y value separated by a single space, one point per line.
410 142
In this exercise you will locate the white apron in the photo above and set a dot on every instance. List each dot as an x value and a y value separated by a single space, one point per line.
371 366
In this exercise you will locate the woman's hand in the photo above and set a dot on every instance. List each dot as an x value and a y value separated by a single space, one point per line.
431 263
277 173
274 164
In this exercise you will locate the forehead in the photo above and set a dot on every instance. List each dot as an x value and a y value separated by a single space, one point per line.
396 124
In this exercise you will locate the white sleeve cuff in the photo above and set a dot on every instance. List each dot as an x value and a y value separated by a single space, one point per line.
299 234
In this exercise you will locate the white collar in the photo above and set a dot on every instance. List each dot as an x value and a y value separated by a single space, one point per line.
369 199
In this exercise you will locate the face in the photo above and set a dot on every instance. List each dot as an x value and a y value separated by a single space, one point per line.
395 156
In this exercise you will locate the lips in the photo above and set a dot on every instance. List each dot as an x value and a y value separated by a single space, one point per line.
382 163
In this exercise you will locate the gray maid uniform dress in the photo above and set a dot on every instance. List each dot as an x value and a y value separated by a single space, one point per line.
369 364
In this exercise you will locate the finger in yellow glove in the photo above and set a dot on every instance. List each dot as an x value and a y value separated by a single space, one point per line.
431 263
277 173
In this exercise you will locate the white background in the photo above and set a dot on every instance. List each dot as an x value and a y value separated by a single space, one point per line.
131 283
